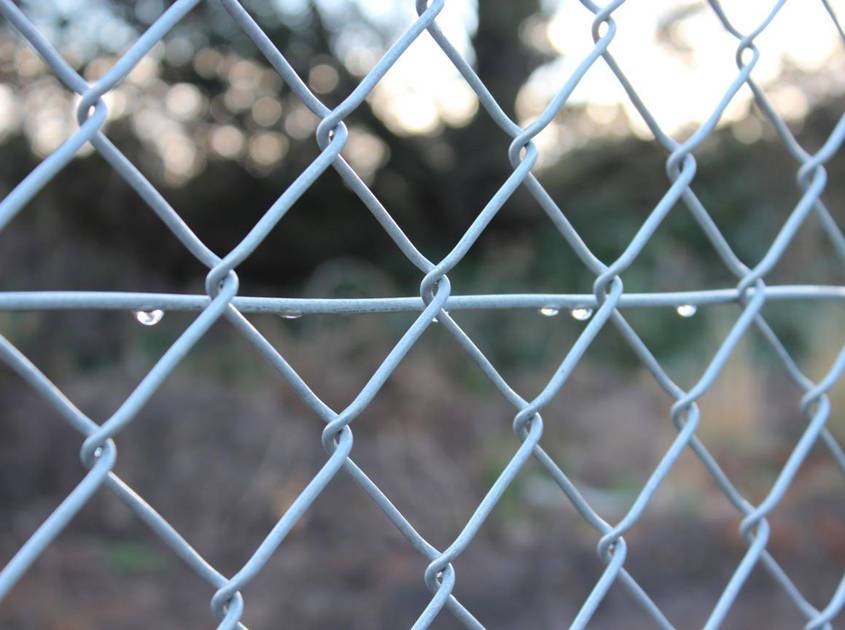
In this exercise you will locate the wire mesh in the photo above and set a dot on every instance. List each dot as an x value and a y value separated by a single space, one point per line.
98 451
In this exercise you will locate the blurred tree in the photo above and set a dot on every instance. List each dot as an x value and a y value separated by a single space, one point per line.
213 127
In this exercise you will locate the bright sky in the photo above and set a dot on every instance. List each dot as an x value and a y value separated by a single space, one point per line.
681 82
678 87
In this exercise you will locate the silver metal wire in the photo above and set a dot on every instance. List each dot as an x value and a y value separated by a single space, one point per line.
608 300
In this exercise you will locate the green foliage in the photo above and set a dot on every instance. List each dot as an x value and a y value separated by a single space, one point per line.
130 557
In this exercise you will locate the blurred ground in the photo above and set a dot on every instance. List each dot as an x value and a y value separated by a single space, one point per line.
224 447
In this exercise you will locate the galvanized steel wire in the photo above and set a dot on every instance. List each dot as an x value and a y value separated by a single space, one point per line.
608 301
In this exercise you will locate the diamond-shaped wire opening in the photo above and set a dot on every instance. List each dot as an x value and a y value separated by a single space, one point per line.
333 481
751 222
36 545
358 342
377 581
807 433
793 268
103 582
96 116
774 113
682 563
375 207
776 494
503 476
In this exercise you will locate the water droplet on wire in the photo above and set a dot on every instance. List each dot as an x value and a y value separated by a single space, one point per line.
290 315
581 313
149 318
686 310
548 311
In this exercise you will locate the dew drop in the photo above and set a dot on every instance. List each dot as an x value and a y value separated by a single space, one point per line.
686 310
581 313
290 315
149 318
98 451
548 311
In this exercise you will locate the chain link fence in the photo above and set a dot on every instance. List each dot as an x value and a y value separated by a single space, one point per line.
604 308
